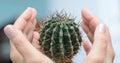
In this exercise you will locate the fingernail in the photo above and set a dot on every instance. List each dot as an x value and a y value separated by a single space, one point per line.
101 28
27 9
27 14
9 31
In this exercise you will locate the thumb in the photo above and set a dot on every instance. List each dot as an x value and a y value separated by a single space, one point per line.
98 51
20 42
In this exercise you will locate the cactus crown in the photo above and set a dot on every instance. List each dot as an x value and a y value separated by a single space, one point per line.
60 38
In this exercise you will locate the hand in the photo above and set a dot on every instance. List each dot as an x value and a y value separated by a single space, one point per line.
101 50
24 40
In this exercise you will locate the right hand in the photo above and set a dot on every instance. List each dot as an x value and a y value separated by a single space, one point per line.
101 50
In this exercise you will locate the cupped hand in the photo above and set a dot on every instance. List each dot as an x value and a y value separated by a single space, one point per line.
24 40
101 50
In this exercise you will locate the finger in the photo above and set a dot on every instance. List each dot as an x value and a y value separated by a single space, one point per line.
87 16
20 42
86 46
29 53
99 49
110 50
87 31
29 29
29 26
90 19
35 41
28 15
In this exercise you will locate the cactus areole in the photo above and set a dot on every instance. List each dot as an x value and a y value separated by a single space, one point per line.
60 38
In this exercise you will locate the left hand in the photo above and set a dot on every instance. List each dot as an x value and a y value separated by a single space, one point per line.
24 40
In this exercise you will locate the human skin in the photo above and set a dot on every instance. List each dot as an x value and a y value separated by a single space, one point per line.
101 50
24 40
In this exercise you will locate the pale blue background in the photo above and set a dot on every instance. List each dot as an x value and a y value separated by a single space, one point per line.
13 8
107 10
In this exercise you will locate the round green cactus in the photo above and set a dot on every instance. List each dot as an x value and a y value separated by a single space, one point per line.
60 38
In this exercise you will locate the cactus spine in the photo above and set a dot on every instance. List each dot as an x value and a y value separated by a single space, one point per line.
60 38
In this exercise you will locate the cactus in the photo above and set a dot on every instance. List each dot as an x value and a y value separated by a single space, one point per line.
60 38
